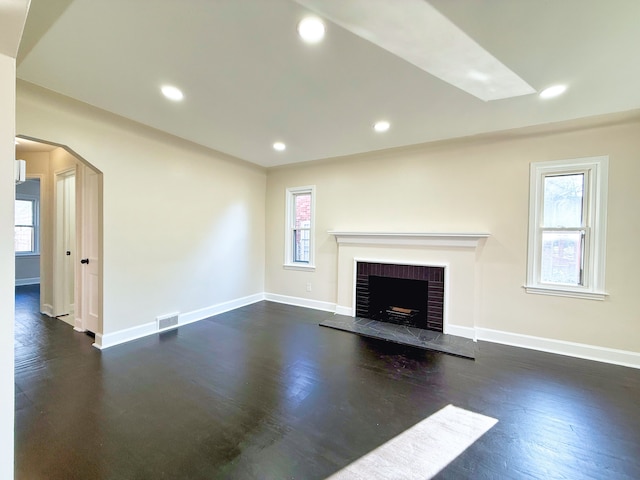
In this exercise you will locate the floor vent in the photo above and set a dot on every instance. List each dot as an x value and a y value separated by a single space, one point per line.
167 321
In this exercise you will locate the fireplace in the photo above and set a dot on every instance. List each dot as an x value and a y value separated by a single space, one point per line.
411 295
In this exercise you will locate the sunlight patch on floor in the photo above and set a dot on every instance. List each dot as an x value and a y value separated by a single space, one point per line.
423 450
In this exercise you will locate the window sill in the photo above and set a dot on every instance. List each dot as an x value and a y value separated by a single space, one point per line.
29 254
299 266
558 292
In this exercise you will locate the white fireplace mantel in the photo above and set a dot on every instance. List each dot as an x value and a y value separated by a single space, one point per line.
465 239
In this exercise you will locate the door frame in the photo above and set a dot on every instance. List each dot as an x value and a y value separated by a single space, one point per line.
61 282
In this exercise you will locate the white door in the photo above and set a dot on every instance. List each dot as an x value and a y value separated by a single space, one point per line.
89 285
65 246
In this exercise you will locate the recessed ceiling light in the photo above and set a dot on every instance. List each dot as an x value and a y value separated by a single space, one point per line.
553 91
311 29
172 93
279 146
381 126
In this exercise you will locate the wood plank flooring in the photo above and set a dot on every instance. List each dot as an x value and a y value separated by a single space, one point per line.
263 392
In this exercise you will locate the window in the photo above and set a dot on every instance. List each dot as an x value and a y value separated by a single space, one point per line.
299 234
567 227
26 225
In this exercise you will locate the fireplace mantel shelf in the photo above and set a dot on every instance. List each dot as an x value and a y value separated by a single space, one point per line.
465 239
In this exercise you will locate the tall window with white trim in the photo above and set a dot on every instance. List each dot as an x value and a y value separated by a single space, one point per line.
299 230
567 227
26 225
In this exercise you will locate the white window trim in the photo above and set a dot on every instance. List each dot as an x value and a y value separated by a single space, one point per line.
36 224
288 237
597 169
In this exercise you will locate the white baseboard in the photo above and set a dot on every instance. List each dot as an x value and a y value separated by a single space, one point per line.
98 342
207 312
78 327
47 310
27 281
459 331
128 334
340 310
301 302
579 350
107 340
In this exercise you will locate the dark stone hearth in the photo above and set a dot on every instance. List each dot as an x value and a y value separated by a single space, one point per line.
414 337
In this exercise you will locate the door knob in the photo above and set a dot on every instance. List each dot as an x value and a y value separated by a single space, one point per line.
84 260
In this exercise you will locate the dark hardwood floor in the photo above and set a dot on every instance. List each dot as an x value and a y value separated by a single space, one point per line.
263 392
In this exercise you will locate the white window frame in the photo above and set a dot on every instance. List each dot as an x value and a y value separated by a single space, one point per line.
36 223
289 262
596 170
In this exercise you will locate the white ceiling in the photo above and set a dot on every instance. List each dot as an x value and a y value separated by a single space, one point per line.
249 80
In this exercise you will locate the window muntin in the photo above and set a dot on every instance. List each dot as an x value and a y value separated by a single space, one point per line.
299 231
567 227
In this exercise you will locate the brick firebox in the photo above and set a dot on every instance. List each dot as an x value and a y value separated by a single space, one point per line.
434 276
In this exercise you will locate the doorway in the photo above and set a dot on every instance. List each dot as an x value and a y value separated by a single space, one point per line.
70 233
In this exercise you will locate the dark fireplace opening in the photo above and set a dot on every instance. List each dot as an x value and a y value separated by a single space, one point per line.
402 294
398 300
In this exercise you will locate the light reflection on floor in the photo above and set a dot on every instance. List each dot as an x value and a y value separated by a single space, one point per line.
423 450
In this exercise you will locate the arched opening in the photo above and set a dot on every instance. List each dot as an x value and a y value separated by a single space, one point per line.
64 267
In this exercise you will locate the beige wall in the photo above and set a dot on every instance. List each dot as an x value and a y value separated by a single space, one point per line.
476 185
183 225
7 279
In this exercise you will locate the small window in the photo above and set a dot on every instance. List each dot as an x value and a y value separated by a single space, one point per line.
26 225
299 234
567 228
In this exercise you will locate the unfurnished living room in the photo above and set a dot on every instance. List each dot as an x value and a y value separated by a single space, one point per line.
319 239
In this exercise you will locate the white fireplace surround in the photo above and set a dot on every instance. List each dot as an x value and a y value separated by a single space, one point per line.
410 239
456 252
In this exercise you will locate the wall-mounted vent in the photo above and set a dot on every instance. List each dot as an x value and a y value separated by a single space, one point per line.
167 321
